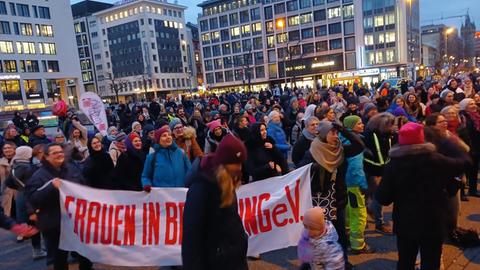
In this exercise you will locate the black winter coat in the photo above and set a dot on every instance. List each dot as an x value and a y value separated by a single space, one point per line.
321 175
473 135
258 158
127 174
302 145
416 181
35 140
46 198
97 170
213 238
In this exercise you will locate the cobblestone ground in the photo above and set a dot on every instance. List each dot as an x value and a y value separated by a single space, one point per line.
18 256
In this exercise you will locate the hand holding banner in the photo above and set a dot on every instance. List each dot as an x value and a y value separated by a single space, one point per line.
145 229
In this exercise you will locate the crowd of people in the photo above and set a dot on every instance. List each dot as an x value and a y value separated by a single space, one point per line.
368 147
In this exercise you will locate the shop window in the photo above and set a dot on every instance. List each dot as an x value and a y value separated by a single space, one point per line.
11 89
33 89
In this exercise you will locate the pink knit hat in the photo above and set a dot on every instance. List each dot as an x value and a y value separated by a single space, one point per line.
214 124
411 133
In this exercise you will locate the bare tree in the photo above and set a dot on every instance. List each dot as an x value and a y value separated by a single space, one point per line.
115 84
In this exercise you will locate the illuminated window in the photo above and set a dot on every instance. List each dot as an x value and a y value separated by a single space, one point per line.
334 12
379 21
348 11
293 20
390 56
368 40
6 47
379 57
390 37
389 19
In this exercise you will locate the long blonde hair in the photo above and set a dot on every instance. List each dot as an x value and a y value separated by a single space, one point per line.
228 184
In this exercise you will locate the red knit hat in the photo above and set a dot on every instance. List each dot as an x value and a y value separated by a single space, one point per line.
132 136
230 150
411 133
160 131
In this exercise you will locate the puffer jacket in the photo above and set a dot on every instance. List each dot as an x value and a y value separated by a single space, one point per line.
166 167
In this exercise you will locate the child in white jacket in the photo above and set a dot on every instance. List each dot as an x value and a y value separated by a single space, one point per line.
319 244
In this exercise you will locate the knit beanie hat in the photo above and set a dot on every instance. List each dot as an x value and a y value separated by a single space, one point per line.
293 99
111 129
214 124
315 218
248 107
369 107
175 121
445 92
351 121
411 133
272 114
230 151
120 137
464 103
23 153
160 131
132 136
134 124
323 128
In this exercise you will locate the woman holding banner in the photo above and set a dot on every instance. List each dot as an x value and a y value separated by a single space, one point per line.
328 174
213 233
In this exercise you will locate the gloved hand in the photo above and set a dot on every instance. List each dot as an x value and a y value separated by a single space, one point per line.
147 188
23 230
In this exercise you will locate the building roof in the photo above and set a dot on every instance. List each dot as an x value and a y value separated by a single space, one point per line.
209 2
88 7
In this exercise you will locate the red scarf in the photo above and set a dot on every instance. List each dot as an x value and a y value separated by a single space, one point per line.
453 125
475 116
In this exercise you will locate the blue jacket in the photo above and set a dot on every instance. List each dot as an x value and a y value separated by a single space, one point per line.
170 168
278 135
355 176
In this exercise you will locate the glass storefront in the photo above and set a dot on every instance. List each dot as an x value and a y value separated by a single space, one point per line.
33 89
11 90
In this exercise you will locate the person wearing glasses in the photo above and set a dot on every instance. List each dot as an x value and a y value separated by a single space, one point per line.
43 195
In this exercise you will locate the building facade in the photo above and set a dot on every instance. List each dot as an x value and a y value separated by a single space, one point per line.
307 42
86 30
196 59
139 48
38 58
467 31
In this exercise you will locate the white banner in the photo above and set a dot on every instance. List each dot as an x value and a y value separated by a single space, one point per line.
128 228
92 106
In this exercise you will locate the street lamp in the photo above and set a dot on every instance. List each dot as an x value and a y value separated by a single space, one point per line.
448 31
280 24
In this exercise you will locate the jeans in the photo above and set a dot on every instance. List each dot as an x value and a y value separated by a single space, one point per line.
430 252
60 257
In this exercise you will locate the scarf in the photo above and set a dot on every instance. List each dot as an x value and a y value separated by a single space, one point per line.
309 136
453 125
327 155
475 116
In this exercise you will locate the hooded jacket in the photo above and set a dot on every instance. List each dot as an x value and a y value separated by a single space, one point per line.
416 181
167 169
259 156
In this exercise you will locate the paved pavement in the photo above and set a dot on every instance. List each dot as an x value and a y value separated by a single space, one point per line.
18 256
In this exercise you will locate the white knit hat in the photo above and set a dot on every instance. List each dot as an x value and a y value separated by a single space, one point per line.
23 153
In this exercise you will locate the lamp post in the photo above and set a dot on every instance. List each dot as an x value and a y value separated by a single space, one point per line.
447 32
281 23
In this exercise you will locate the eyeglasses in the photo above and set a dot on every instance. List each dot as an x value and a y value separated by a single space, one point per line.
55 153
